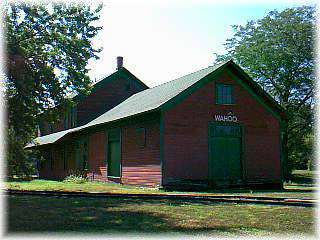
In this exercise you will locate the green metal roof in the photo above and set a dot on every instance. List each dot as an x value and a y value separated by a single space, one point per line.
47 139
141 102
144 101
151 99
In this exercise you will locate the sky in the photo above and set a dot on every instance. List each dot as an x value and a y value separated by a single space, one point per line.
163 40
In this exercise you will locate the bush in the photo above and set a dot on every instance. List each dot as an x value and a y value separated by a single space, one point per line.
75 178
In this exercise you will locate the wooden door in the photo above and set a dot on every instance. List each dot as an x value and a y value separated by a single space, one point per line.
114 153
225 150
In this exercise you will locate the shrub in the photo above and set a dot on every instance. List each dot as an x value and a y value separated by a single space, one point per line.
75 178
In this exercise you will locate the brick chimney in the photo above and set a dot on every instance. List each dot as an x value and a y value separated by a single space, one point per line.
119 62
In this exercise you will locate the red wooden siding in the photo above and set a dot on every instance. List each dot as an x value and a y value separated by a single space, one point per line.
98 102
96 157
141 165
105 98
186 135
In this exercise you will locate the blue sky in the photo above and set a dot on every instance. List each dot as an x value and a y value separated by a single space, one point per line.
161 41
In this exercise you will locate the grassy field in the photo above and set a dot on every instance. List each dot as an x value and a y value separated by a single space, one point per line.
89 215
291 190
72 215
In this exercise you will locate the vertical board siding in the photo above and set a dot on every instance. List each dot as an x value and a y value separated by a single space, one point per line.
98 102
105 98
96 158
186 135
141 165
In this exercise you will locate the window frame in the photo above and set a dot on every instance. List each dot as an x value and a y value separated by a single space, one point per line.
221 101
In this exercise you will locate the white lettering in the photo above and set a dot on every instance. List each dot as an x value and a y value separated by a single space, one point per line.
226 118
218 118
234 119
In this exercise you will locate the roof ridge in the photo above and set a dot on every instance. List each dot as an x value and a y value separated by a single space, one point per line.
176 79
182 76
101 78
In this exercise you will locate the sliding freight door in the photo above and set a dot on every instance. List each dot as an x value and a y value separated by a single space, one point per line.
225 153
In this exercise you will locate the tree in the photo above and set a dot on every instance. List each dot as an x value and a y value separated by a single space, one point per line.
278 52
47 51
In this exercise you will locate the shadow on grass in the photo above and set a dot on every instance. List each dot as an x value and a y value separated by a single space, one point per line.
20 179
56 214
244 191
302 179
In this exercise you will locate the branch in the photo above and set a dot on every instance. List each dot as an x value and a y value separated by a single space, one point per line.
274 84
308 95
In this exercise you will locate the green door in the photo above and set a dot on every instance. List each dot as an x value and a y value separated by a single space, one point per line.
225 153
114 159
114 153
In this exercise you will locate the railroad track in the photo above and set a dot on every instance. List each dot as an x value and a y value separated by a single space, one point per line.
305 202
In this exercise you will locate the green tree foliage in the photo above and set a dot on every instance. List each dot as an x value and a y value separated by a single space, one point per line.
278 52
47 51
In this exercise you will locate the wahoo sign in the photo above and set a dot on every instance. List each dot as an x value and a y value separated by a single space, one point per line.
225 118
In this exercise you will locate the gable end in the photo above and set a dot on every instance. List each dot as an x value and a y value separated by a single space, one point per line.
236 73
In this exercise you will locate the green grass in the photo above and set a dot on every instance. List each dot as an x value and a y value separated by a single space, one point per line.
47 185
55 214
294 191
90 215
303 176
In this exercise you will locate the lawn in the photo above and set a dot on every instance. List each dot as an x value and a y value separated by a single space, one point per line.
97 215
90 215
292 190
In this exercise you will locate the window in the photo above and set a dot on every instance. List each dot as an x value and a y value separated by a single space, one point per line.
224 94
70 118
66 120
141 137
74 116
